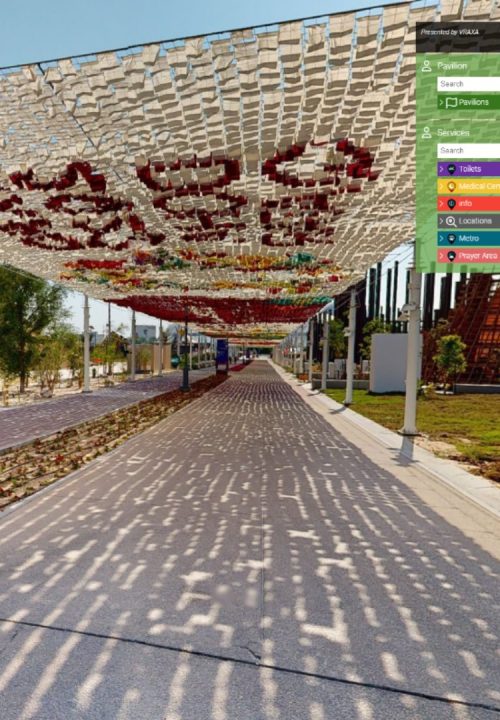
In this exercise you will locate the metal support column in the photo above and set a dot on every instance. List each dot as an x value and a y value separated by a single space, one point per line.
326 353
133 354
160 350
301 350
412 362
311 348
86 345
185 365
395 292
108 342
350 349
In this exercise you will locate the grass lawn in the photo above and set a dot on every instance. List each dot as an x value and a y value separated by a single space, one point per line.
471 423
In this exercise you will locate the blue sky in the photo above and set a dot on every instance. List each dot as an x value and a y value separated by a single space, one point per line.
32 31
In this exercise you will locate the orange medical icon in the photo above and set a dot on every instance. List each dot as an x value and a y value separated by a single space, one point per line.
451 186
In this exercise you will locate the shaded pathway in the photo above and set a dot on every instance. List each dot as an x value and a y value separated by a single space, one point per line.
243 527
19 425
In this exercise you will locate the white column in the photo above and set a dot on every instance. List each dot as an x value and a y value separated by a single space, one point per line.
108 341
132 356
199 351
160 350
191 351
311 340
326 339
301 350
350 349
412 362
86 345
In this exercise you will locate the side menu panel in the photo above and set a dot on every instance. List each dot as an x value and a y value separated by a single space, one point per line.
458 147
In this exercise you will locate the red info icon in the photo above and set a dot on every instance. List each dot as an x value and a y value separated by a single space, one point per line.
468 204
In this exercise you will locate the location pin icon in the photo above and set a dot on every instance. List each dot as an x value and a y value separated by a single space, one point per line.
452 203
452 255
451 169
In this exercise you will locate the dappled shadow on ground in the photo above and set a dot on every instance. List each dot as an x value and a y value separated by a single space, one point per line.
23 424
242 560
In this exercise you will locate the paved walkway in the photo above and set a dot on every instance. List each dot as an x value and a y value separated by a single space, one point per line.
243 560
19 425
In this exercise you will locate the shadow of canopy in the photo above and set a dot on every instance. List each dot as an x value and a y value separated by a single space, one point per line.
240 533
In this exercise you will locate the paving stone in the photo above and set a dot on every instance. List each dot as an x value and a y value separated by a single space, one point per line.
244 527
19 425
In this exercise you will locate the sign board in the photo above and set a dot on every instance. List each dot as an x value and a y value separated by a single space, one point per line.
222 356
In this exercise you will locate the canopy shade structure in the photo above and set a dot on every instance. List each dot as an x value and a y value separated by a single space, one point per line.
243 178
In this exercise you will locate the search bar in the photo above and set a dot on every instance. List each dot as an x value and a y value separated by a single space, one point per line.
475 151
468 84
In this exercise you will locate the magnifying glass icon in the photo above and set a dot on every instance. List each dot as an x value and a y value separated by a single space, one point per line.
450 221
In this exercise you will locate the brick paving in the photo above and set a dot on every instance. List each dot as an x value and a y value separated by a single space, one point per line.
19 425
244 527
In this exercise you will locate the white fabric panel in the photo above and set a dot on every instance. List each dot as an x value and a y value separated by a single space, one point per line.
230 103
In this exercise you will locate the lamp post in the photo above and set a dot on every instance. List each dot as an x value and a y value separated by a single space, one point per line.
413 357
185 369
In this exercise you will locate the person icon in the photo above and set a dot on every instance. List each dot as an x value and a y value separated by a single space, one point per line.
426 67
451 203
451 238
451 186
426 135
452 255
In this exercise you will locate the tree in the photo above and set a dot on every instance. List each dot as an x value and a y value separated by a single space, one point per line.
143 359
74 356
431 340
60 347
28 305
370 328
337 339
450 358
111 350
6 381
